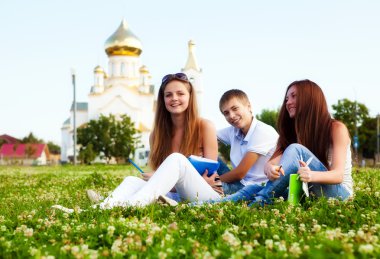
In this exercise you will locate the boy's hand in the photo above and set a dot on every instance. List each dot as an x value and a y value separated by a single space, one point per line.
274 172
210 180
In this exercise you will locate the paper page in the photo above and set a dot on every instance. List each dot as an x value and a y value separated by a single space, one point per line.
305 186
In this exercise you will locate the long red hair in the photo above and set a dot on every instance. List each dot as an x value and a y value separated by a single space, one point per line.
311 126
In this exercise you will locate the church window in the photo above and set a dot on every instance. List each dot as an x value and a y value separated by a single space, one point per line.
122 69
112 69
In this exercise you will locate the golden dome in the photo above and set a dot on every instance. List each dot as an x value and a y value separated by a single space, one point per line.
98 69
144 70
123 42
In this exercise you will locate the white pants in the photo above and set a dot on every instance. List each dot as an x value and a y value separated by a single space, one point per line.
176 171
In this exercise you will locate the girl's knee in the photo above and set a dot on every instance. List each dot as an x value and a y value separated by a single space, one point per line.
294 148
132 180
176 156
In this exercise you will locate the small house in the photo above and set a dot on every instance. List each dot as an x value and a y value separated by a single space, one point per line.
24 154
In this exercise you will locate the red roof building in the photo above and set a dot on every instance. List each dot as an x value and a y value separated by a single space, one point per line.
26 154
9 139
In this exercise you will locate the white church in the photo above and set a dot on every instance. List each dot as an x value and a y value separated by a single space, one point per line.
126 88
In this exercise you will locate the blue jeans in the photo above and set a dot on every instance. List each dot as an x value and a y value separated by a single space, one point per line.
228 188
290 163
247 193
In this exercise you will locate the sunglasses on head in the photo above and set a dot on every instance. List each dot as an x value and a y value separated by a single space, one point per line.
179 76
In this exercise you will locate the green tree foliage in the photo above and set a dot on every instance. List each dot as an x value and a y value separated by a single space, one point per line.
53 148
350 113
269 117
31 139
87 154
355 114
368 137
109 136
224 151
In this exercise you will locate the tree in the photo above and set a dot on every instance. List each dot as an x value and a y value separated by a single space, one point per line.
31 139
368 137
269 117
356 117
224 151
53 148
87 154
350 113
109 136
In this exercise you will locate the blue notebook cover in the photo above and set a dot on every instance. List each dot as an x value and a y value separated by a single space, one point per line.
201 164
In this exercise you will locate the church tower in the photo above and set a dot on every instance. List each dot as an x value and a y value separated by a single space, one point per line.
126 88
194 73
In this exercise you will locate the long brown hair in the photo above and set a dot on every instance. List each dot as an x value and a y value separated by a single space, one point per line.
163 129
311 126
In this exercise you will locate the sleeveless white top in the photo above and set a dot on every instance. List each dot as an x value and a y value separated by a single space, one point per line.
347 176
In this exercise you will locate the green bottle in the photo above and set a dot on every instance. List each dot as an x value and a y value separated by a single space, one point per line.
295 189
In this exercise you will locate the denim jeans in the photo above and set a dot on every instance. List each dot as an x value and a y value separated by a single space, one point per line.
247 193
228 188
290 163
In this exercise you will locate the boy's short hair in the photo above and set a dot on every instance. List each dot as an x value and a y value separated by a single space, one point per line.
233 93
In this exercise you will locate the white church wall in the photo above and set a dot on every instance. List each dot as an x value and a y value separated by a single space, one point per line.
81 118
65 143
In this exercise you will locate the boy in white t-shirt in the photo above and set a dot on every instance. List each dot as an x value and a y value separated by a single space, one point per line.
252 144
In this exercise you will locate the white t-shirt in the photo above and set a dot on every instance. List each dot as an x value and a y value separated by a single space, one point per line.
260 139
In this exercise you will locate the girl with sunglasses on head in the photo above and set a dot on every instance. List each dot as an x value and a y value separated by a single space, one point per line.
178 132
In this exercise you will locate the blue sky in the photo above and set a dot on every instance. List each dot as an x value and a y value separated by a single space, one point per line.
257 46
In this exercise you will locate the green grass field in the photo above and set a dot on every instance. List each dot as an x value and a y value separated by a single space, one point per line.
315 229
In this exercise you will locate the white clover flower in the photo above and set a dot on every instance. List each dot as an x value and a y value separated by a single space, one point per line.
149 240
216 253
377 194
247 249
230 239
255 243
65 248
207 226
162 255
302 227
269 244
281 246
115 248
276 212
351 233
3 228
33 251
255 225
263 223
360 234
366 249
316 228
28 232
168 237
234 229
111 230
295 249
75 250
